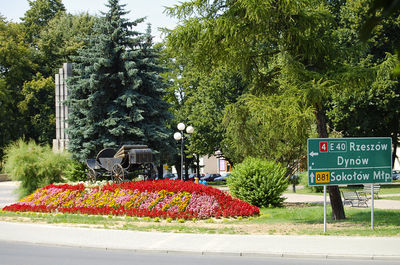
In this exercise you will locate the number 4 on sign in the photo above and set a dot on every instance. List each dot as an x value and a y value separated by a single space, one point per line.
323 147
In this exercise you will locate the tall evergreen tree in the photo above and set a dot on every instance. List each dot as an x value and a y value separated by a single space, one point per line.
116 92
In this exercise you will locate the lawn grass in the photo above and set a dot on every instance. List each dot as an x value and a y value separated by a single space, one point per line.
393 198
295 219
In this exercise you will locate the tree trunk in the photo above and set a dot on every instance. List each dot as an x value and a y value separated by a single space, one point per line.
186 172
334 193
198 165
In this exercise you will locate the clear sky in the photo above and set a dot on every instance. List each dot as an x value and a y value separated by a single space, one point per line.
152 9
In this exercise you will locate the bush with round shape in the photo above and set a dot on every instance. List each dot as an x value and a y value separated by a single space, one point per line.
259 182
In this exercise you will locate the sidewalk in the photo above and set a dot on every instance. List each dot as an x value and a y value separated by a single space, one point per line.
327 247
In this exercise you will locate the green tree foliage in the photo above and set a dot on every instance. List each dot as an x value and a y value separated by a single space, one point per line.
34 165
61 39
368 104
116 91
206 109
16 66
280 122
259 182
372 108
262 40
37 108
153 106
379 13
38 15
27 64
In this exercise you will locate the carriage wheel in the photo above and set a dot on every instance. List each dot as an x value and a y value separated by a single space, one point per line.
91 175
117 173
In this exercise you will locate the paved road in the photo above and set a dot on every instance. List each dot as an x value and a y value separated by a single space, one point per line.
20 253
331 247
7 193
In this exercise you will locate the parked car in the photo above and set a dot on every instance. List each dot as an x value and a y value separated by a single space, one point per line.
396 174
192 176
170 176
210 177
222 178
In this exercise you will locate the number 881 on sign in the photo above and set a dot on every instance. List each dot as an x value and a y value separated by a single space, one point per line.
322 177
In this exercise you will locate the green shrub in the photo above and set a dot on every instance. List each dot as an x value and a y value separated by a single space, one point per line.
259 182
34 165
75 171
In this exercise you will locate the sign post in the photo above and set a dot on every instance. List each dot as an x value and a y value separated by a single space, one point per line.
372 206
344 161
324 208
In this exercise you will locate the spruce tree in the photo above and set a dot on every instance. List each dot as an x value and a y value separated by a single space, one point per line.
115 94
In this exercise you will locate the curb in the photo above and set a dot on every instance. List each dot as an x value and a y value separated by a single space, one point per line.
283 255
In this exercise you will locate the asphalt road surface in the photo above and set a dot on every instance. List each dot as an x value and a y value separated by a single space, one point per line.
12 253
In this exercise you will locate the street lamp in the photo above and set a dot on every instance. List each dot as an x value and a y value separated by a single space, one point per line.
181 136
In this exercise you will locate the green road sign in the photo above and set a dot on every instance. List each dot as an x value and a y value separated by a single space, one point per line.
335 161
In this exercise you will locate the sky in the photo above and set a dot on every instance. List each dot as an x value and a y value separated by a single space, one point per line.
13 10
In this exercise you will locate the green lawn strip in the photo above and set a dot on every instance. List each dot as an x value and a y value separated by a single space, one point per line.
394 198
302 220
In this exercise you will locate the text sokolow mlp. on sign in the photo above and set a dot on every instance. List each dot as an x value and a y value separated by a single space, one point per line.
335 161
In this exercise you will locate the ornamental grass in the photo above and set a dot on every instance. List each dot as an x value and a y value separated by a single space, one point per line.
163 198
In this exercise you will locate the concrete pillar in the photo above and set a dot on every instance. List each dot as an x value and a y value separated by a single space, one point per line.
61 142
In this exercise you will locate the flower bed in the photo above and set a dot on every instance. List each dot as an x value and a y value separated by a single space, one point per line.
164 198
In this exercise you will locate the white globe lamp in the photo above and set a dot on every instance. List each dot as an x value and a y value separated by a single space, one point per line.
189 129
177 136
181 126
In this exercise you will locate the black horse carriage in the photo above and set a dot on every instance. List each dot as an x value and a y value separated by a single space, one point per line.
129 161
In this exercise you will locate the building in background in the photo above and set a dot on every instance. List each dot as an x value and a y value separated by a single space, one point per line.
215 164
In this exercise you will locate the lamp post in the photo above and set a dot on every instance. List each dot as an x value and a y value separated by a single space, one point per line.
181 136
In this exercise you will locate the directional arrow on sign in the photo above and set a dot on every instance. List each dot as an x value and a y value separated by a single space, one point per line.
312 154
312 177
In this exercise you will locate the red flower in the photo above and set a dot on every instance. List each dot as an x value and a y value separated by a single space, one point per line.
227 206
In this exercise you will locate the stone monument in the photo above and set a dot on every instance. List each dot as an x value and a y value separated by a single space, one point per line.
61 142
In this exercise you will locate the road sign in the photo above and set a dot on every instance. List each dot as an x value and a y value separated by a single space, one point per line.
335 161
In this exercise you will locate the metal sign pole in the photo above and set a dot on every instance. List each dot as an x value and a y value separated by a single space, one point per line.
372 206
324 208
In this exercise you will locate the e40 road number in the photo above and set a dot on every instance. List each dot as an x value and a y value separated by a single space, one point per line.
322 177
